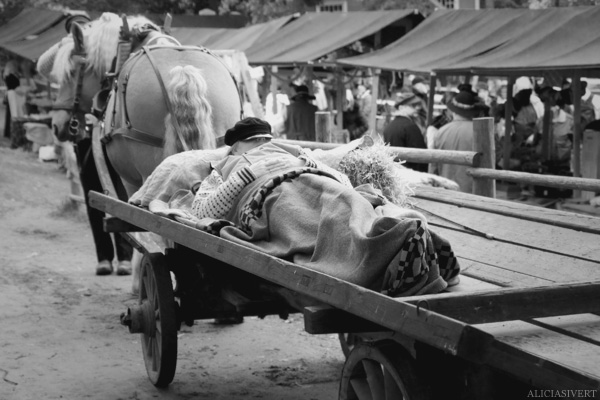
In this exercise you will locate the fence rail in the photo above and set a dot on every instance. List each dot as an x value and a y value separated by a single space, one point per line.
481 161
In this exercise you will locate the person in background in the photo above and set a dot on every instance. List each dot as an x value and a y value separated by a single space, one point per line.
12 80
458 135
420 89
88 174
526 114
300 116
403 130
364 100
277 118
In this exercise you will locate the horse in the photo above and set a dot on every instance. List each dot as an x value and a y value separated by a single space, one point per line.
142 94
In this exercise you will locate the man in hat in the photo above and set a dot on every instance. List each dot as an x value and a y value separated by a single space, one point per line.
403 131
300 116
458 135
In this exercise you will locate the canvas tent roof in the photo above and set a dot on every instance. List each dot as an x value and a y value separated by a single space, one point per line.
33 48
228 39
314 35
28 22
496 40
560 40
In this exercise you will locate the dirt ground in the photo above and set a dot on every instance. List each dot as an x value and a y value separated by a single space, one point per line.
60 336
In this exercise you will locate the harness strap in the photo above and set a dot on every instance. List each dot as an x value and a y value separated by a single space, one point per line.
138 136
166 96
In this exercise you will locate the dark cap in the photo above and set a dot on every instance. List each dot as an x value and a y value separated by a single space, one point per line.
247 128
79 18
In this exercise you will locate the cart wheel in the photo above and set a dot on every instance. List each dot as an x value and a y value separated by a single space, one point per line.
159 337
348 341
380 372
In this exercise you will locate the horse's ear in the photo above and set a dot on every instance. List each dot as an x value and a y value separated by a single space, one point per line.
77 33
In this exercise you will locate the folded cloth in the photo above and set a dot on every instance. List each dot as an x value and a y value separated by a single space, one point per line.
180 171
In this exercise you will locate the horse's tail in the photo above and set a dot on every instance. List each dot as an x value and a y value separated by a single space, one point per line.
190 113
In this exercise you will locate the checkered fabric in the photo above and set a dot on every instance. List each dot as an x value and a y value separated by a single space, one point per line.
252 210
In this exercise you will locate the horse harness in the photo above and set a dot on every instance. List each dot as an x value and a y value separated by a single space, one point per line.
136 134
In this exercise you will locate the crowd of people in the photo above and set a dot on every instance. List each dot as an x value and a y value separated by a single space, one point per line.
451 127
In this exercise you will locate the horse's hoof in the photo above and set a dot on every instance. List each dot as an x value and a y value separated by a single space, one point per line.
124 268
104 267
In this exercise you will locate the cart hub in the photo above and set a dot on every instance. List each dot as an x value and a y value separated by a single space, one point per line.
140 319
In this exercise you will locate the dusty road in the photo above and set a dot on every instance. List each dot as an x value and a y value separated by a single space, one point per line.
60 336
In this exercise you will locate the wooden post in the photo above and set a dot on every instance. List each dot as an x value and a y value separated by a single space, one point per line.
576 85
590 159
341 96
274 84
508 108
483 142
323 126
431 100
576 161
546 134
374 96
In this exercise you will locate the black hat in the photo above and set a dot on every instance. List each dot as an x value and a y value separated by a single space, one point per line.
465 104
248 128
302 91
79 18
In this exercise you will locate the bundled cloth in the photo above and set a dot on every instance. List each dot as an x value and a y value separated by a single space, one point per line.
305 216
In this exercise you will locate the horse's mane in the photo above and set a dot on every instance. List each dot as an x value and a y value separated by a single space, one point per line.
100 40
187 91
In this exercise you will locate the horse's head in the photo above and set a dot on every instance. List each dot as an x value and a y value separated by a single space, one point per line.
80 67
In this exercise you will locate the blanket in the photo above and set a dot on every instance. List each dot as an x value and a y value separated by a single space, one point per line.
308 218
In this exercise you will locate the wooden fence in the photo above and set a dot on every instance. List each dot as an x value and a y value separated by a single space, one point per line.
481 162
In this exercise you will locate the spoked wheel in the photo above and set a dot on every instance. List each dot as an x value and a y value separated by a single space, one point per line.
159 332
348 341
380 372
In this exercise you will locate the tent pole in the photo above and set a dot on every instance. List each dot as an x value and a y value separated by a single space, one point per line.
374 96
274 83
431 100
576 85
508 108
546 135
341 96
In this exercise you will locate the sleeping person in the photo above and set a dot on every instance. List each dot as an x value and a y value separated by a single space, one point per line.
282 202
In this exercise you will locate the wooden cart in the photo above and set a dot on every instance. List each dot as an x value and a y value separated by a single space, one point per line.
523 320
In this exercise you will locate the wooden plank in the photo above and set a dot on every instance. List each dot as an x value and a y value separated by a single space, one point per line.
499 276
469 284
112 224
545 358
320 320
582 326
512 304
535 263
584 223
563 182
394 314
514 230
469 158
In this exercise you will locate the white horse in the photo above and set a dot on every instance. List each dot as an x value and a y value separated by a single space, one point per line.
146 93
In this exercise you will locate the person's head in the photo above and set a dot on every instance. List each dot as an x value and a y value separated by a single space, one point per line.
419 86
302 93
465 104
408 103
247 134
360 89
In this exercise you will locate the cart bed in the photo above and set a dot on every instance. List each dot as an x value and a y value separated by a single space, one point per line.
527 303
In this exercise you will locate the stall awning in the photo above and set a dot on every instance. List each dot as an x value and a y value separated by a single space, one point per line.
314 35
561 40
493 41
34 47
28 22
226 38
